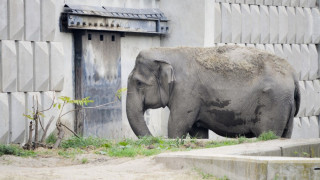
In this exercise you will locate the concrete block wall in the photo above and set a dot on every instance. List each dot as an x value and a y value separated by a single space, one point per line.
31 62
289 29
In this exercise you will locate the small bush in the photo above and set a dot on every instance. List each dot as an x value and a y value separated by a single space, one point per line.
267 136
15 150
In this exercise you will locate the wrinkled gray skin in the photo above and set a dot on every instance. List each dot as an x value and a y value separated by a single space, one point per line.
230 90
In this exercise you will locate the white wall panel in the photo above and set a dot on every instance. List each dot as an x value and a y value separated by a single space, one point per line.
259 2
18 121
250 1
283 24
8 59
308 127
57 61
236 23
310 98
226 22
291 37
295 3
16 19
48 20
274 24
4 120
286 2
296 59
270 49
261 47
303 102
303 3
316 99
41 66
309 25
305 64
277 2
4 20
278 50
300 25
268 2
246 23
312 3
217 23
316 26
314 64
265 24
32 20
25 66
47 98
255 16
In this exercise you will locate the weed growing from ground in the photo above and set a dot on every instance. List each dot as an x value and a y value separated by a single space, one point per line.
267 136
15 150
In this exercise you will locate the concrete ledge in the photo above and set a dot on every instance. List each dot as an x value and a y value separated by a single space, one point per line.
238 162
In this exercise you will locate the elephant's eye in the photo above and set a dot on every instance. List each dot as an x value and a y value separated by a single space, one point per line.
139 83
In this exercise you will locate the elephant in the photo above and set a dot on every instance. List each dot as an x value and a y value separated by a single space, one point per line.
233 91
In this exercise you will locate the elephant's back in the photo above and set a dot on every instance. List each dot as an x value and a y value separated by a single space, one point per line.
239 61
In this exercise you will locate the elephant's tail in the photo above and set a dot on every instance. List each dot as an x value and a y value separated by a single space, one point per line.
297 97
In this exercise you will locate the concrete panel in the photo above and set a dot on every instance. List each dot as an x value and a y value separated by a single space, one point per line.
236 23
268 2
246 23
309 25
274 24
314 64
226 22
312 3
308 128
270 49
17 120
283 24
4 20
217 23
250 2
210 23
305 58
316 86
278 50
255 17
250 45
291 37
16 19
48 20
32 20
265 24
259 2
303 102
41 66
239 1
25 66
296 59
300 25
316 26
8 59
261 47
303 3
57 61
286 2
4 120
46 102
277 2
295 3
287 52
310 98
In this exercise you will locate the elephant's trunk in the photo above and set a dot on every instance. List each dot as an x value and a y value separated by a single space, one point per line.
135 113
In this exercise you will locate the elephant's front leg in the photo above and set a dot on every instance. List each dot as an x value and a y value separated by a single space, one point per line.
181 120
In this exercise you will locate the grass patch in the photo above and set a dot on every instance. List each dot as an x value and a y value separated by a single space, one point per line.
270 135
84 160
15 150
208 175
51 139
74 142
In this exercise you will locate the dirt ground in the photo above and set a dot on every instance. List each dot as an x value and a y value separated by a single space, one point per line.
95 167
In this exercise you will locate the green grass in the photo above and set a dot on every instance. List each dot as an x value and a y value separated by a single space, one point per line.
208 175
84 160
145 146
267 136
15 150
51 139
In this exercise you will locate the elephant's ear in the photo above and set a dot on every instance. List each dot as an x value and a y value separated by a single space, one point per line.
166 74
